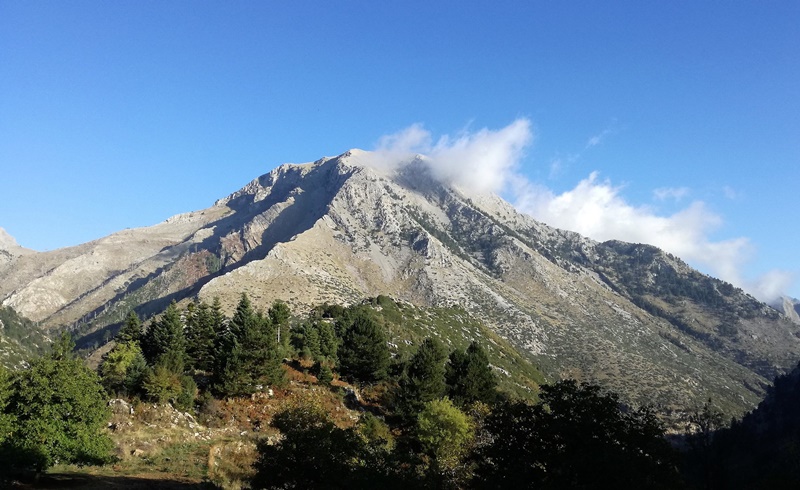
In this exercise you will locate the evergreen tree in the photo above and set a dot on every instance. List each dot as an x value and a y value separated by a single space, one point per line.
328 342
363 353
161 385
164 343
248 354
131 331
218 319
230 375
317 340
470 378
134 375
201 333
279 314
424 378
312 342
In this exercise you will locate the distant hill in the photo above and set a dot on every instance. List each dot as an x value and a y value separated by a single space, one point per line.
629 316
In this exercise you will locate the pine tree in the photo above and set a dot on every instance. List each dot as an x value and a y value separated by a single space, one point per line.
248 354
279 314
328 342
424 379
131 332
470 377
201 333
164 343
230 374
364 354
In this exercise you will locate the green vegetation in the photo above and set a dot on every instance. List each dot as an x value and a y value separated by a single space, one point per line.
363 355
427 409
20 339
760 451
54 411
248 354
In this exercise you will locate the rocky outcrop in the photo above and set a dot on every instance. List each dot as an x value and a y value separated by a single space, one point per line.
338 230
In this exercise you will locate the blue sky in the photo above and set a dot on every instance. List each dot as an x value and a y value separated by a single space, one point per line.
121 114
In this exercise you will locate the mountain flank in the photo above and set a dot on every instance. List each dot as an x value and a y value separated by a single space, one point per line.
339 230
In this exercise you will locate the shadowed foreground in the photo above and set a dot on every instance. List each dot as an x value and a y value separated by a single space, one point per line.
143 482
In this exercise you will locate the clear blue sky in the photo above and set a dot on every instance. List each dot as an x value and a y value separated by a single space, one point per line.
120 114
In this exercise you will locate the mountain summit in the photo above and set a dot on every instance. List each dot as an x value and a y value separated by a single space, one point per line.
341 229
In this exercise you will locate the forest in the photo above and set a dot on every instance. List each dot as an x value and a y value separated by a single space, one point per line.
431 416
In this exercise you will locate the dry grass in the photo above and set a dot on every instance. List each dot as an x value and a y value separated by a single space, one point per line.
158 447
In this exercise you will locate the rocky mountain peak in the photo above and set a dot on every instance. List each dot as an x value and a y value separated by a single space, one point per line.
9 248
7 242
361 225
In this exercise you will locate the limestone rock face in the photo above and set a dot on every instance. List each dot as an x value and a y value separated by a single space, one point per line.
9 249
339 229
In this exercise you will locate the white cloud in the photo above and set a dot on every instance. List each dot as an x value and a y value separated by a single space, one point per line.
595 208
488 161
771 285
481 161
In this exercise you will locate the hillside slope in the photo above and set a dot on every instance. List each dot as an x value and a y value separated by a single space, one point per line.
338 230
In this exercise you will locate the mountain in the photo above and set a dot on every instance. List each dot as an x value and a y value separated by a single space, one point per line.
9 249
789 307
630 316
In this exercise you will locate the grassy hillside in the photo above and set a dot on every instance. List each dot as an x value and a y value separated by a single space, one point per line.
408 325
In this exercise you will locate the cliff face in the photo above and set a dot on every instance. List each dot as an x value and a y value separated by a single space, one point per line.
338 230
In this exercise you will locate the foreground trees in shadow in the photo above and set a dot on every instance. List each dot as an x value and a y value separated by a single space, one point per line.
577 436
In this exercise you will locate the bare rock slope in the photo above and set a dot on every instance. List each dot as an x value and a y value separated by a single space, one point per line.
338 230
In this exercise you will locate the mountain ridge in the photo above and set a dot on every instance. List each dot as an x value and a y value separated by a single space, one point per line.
339 230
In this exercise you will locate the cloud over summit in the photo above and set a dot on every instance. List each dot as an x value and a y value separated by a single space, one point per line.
490 161
481 161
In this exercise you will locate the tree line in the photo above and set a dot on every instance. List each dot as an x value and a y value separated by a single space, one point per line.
439 420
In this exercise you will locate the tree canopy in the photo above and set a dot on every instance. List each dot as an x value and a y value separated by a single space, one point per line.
57 408
576 437
363 353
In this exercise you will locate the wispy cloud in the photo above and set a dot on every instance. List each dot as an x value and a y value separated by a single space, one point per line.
730 193
599 137
560 163
488 161
671 193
